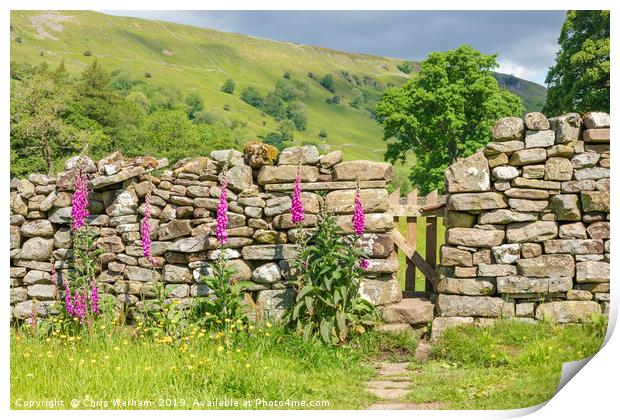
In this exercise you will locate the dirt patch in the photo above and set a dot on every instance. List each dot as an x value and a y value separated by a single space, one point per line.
49 21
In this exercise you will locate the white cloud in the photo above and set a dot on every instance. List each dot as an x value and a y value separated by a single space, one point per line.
535 74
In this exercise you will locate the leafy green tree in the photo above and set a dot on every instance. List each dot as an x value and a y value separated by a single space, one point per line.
228 86
357 98
286 128
445 112
291 90
328 82
252 97
169 134
298 113
38 131
579 80
277 140
194 104
405 67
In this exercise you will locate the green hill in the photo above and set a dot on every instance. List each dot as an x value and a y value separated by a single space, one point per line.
533 94
201 60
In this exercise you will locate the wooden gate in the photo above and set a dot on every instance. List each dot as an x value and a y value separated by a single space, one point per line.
410 211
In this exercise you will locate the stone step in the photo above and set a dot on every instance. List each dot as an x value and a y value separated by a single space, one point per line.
388 384
409 311
389 393
392 369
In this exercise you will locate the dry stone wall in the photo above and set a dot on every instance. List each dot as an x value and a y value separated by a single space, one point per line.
527 223
184 202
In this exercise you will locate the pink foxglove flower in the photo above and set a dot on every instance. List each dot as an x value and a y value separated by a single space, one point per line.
94 298
364 264
79 203
359 220
222 210
297 208
69 306
145 233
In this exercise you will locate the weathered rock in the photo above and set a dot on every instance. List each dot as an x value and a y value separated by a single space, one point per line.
506 254
331 159
566 207
307 155
271 304
15 237
547 266
470 174
37 249
442 324
525 309
599 230
362 170
265 236
574 246
239 177
593 272
194 244
558 169
36 277
375 222
543 138
374 245
527 157
142 274
573 231
474 237
506 147
567 128
578 295
174 229
568 311
286 173
497 160
596 120
343 201
409 311
466 286
596 135
536 183
508 128
42 291
451 256
530 250
232 156
531 231
505 173
459 219
267 273
591 173
527 193
176 274
536 121
476 201
120 202
258 155
532 285
585 160
593 201
269 252
453 305
285 221
110 244
495 270
578 186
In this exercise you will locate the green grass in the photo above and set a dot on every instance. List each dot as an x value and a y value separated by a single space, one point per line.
200 60
509 365
420 247
267 364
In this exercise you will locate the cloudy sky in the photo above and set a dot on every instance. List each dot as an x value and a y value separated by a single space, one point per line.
525 41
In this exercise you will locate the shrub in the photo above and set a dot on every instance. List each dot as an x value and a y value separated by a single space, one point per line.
252 97
328 302
333 100
87 53
147 75
228 86
323 134
287 75
298 113
405 67
328 82
226 107
276 140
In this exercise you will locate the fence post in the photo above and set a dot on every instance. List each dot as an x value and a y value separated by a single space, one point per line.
431 238
410 273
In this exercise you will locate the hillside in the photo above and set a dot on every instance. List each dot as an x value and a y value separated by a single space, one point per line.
533 94
201 60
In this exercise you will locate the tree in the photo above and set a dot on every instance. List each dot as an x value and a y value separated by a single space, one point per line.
579 80
38 132
286 128
252 97
357 98
405 67
195 104
445 112
228 86
298 113
328 82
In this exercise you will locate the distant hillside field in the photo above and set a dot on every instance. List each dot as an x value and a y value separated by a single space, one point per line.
201 60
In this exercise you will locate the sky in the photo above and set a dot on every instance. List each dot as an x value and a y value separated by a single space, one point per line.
525 41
